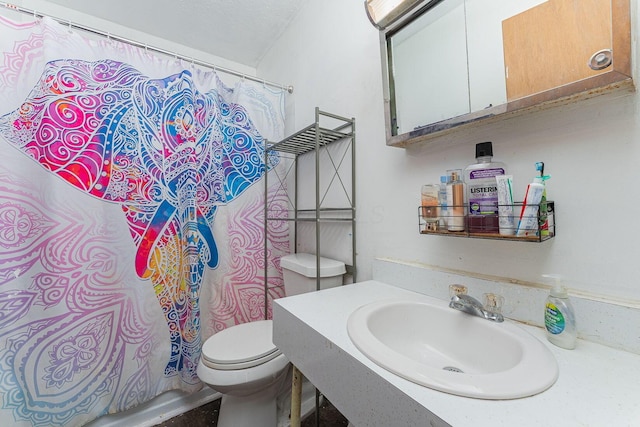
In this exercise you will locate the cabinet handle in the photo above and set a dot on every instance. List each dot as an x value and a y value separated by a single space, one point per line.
601 59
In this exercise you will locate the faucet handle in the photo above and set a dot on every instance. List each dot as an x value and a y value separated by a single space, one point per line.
493 302
457 290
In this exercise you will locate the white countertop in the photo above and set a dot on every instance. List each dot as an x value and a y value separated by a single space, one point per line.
597 385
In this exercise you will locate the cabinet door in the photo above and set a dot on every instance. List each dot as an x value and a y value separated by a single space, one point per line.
550 46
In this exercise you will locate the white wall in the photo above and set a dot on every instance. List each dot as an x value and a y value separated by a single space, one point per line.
330 54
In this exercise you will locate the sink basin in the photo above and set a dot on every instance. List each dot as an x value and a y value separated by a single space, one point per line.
430 344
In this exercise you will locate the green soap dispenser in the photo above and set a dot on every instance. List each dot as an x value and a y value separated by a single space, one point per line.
559 317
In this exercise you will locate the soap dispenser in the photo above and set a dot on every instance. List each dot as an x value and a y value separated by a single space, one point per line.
559 317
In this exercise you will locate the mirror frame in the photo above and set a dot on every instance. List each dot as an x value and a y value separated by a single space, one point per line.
618 78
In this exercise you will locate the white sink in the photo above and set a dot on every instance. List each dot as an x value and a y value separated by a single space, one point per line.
430 344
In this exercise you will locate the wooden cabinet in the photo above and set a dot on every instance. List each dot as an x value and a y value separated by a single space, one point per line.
548 49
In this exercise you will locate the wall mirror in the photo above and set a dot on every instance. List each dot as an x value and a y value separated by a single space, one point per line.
452 63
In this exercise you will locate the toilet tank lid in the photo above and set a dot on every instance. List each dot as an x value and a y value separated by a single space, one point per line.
305 264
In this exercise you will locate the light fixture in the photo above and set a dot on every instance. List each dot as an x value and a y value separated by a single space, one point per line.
383 13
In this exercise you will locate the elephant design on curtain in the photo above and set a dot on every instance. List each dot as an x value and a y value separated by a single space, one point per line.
168 154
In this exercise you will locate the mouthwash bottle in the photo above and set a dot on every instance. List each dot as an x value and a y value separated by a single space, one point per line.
482 190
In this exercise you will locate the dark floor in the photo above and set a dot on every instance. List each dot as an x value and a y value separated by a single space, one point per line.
207 415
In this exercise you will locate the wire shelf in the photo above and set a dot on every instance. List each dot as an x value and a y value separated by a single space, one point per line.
305 140
432 221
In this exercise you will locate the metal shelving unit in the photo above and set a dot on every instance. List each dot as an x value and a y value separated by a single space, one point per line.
314 140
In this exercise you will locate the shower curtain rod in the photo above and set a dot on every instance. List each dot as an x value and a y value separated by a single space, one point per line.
145 46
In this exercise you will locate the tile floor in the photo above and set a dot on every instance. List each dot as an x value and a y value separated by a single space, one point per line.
207 415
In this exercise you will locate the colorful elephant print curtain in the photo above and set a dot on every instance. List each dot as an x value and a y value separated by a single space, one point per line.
131 220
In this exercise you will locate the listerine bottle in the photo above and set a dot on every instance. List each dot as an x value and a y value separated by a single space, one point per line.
482 190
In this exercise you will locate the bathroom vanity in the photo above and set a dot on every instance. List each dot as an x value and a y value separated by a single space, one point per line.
597 385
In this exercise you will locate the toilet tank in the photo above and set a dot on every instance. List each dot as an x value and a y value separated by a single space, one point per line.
299 273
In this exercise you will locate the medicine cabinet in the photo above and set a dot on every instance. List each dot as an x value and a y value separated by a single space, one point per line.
453 63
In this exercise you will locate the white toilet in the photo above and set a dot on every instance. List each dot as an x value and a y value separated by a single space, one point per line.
242 363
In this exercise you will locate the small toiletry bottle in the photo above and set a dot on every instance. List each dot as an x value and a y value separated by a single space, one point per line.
429 206
559 317
455 202
505 205
482 192
443 213
544 217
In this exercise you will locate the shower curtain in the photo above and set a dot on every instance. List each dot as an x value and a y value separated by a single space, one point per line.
131 220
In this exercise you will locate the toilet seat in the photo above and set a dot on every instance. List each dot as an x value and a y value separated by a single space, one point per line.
241 346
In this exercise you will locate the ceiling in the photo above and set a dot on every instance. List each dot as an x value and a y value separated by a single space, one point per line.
238 30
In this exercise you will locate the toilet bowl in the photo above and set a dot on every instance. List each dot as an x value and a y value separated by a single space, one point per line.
242 363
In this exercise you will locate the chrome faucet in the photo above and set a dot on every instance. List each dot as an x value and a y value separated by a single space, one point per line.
470 305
